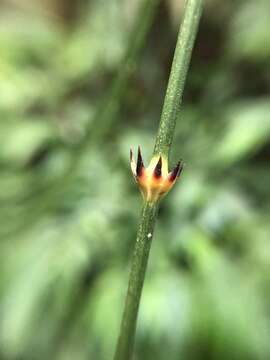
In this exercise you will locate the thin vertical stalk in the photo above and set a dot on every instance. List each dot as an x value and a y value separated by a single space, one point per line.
176 84
136 279
180 65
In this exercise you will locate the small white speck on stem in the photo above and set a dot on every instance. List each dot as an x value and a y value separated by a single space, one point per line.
149 235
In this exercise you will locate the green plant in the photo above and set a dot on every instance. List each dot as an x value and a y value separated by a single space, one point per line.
180 65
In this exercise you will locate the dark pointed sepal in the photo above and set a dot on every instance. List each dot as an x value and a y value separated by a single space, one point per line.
158 169
139 166
176 171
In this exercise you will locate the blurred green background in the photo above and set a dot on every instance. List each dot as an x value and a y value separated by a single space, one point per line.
80 83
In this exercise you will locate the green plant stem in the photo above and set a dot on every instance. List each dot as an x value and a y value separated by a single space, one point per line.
180 65
136 279
176 84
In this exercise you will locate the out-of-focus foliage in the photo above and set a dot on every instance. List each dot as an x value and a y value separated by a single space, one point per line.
69 207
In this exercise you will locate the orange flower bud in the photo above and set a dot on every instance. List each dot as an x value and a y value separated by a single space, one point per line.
155 180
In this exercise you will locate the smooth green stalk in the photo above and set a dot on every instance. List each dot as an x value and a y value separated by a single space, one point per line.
163 143
176 84
136 279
